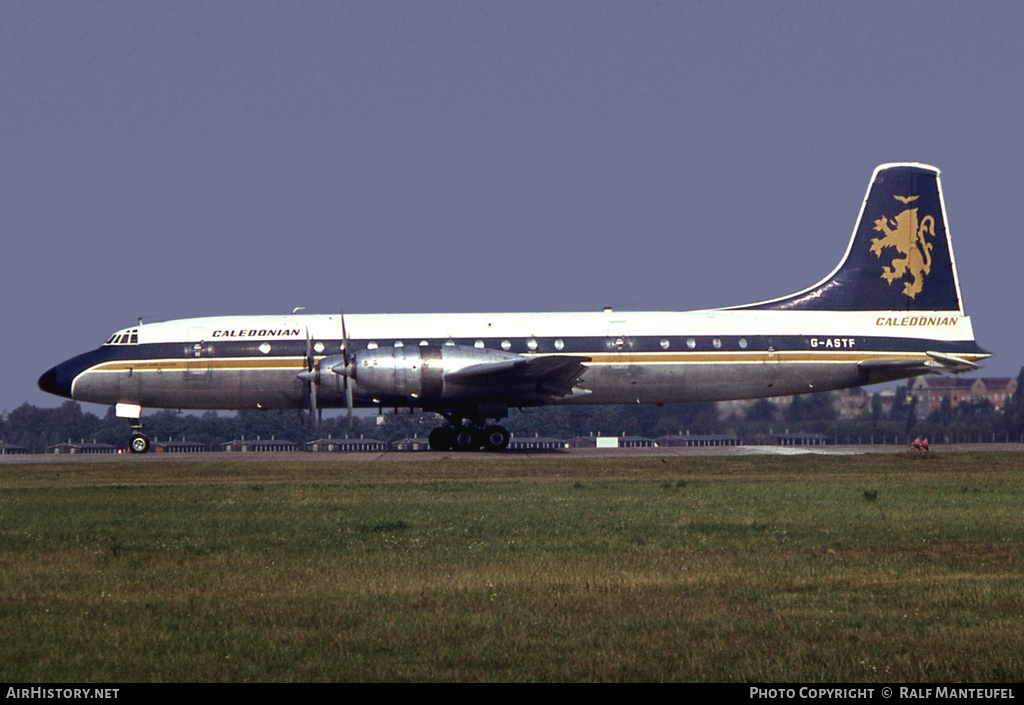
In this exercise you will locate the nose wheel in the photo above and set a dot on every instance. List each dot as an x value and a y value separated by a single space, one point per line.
140 443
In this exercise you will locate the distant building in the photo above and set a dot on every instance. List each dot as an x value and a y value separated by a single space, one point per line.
81 448
258 446
181 446
582 442
624 441
411 444
930 391
8 449
851 403
636 442
346 445
695 441
800 439
536 442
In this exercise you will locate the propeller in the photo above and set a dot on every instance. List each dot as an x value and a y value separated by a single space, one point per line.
348 371
312 378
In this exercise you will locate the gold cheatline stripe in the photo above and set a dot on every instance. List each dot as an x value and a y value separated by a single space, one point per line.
760 356
296 363
202 363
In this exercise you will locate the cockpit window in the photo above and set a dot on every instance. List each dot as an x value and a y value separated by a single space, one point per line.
127 337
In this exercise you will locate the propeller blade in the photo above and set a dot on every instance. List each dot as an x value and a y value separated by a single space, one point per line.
314 412
312 378
348 403
348 369
344 339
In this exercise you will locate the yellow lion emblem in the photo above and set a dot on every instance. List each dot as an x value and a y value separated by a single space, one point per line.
907 235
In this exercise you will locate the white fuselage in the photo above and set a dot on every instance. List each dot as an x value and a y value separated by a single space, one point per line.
237 362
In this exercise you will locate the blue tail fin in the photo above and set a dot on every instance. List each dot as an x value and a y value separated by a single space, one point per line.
900 257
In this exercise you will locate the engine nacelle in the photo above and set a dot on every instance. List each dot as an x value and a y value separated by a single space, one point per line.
417 373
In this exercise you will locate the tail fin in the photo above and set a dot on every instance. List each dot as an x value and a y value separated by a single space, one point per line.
900 257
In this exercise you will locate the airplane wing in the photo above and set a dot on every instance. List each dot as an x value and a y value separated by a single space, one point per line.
553 375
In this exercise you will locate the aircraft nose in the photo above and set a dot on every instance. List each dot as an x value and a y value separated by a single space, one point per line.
49 382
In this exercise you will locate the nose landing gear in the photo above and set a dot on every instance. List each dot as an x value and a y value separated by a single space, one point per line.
140 442
133 412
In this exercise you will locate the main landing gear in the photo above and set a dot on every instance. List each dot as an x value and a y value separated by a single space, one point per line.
466 437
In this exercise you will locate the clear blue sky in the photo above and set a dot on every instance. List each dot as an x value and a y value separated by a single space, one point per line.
172 159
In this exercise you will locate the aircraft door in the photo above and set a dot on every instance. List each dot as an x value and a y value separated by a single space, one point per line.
197 354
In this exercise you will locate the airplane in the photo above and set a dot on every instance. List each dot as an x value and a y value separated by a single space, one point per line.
890 310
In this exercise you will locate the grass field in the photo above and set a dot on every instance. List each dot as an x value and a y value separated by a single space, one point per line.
506 568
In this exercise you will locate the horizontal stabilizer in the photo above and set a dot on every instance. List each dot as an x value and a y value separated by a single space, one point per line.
934 363
952 363
555 375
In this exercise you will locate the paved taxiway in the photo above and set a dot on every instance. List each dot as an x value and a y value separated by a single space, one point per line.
303 456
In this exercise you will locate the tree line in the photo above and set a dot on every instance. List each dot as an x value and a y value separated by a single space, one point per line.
37 429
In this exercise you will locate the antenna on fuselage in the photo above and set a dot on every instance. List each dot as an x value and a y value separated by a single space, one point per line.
297 309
